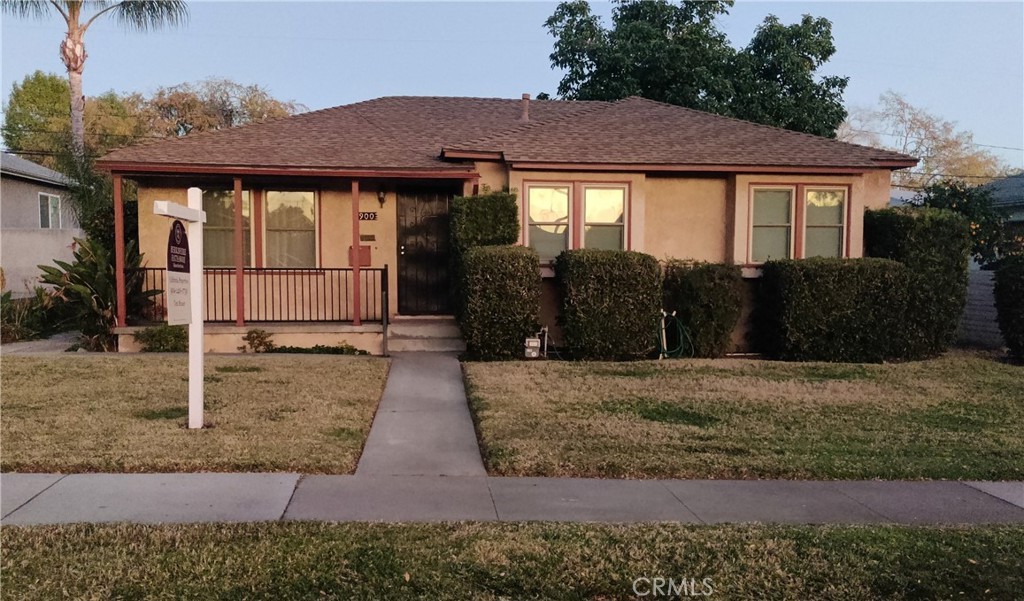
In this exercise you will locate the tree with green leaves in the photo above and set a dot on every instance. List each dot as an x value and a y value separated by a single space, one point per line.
986 221
675 53
140 15
35 114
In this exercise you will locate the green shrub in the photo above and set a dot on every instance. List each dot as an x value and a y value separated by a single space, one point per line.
257 341
88 287
489 219
935 244
502 300
610 303
833 309
1009 292
36 316
707 299
163 339
320 349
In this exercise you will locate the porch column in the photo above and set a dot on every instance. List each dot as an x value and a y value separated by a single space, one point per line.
239 257
122 301
357 286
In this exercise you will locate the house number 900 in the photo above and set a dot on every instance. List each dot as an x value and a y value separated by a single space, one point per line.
368 216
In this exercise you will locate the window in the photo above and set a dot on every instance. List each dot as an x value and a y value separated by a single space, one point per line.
219 229
604 218
825 221
49 211
781 228
548 232
291 229
771 235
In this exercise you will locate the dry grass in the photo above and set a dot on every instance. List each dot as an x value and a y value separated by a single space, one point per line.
956 417
293 561
128 413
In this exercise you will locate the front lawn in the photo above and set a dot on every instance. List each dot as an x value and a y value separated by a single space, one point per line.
69 413
292 561
956 417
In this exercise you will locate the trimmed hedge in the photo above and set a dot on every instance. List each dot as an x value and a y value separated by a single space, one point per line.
935 245
489 219
610 303
163 339
1009 292
834 309
708 301
502 300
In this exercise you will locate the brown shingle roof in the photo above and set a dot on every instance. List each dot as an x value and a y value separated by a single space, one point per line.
410 133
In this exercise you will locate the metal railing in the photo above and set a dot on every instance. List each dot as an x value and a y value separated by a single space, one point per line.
282 294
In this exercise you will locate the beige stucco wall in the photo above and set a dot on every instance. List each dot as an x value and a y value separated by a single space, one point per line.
23 244
228 339
493 175
686 218
154 229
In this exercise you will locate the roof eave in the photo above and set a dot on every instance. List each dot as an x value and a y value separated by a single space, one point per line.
143 169
704 168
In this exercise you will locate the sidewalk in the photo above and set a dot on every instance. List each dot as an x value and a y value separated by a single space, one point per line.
189 498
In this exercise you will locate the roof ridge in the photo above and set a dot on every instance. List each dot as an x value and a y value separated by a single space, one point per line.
591 106
761 125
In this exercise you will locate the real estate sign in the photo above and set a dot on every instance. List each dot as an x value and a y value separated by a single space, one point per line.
179 288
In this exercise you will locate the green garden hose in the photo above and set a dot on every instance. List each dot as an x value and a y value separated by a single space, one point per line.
684 344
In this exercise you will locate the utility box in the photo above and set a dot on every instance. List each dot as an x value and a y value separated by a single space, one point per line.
532 348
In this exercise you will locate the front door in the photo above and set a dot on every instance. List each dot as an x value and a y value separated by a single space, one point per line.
424 283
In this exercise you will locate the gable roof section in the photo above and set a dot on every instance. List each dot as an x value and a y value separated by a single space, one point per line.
418 134
1008 191
636 131
14 166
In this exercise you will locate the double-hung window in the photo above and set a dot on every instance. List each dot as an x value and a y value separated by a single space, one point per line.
549 209
797 222
575 215
219 229
291 229
49 211
604 214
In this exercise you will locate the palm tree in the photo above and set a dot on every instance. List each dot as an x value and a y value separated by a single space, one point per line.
140 15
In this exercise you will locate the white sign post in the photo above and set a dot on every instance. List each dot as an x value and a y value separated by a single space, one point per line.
187 293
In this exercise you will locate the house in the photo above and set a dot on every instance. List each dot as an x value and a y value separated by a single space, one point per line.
36 224
1008 194
286 245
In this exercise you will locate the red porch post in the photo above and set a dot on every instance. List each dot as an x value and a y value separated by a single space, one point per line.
239 257
354 257
122 301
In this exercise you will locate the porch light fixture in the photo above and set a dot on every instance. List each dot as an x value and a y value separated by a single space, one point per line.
381 197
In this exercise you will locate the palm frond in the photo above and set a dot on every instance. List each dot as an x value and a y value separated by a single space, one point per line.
144 15
29 9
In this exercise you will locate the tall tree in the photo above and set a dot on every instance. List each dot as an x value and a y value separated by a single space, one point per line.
36 116
675 53
141 15
213 104
946 152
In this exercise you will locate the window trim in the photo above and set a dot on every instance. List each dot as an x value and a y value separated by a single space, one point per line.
798 216
577 215
584 186
60 212
317 226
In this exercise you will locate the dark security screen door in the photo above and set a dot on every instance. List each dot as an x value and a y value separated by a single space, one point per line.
424 283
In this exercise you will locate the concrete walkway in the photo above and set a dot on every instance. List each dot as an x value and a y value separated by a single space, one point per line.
188 498
422 426
58 343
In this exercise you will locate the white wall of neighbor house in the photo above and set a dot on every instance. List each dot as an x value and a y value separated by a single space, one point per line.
24 243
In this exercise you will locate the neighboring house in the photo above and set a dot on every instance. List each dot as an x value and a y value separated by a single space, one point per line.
36 224
1008 194
632 174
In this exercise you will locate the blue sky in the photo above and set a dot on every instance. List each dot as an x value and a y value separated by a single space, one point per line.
963 61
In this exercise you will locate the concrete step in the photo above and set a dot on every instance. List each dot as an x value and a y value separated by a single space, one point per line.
398 344
408 327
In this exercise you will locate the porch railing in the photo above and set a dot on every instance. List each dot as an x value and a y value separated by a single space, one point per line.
282 294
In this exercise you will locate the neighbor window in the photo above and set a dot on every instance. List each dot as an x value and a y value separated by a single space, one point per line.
49 211
549 220
291 229
771 234
219 229
604 218
825 220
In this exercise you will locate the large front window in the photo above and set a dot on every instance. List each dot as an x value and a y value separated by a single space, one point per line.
219 229
798 221
575 215
291 229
